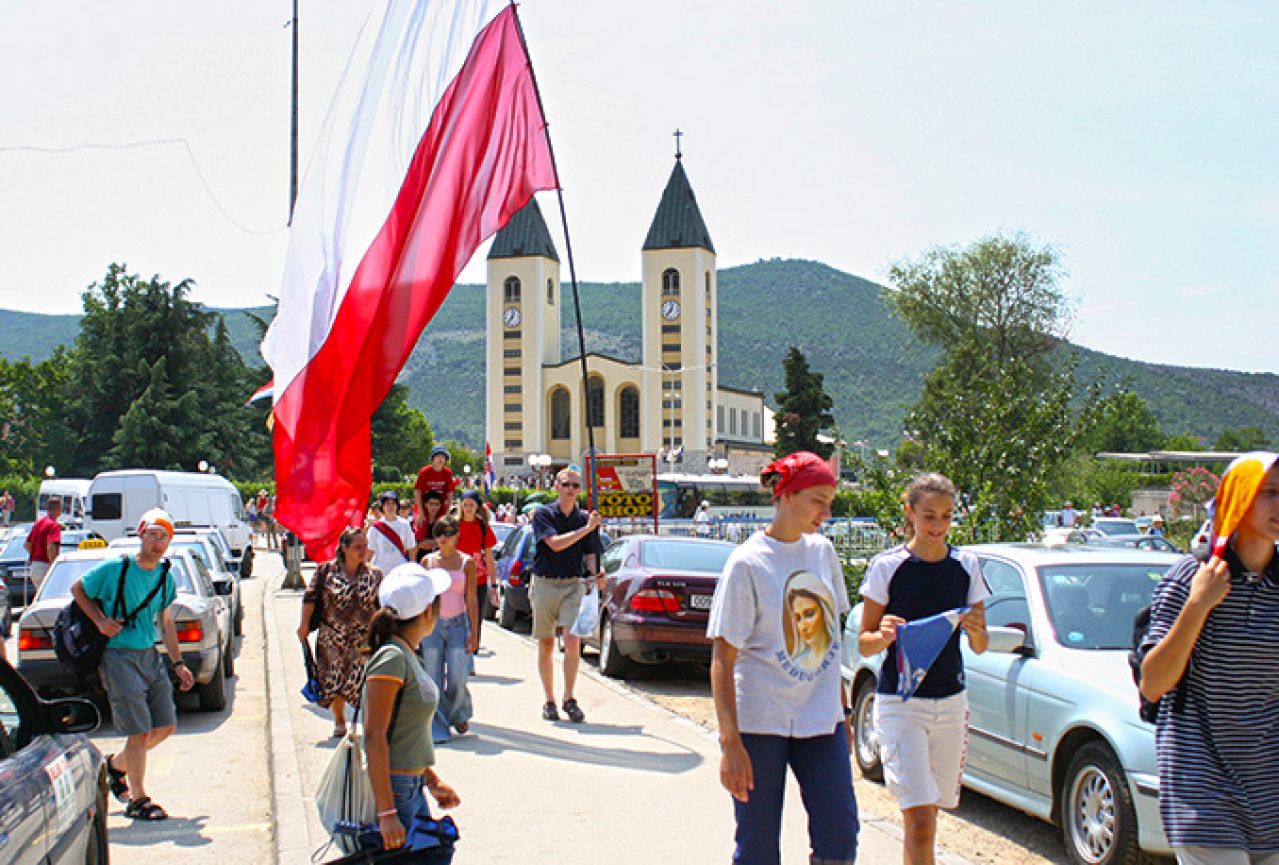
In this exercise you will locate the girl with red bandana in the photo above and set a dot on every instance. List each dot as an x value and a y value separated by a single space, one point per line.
775 672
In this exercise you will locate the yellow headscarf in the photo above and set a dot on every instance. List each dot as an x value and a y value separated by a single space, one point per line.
1239 486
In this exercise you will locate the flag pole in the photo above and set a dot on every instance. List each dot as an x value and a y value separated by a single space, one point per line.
572 271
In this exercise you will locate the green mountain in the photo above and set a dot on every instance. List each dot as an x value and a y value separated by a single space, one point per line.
873 366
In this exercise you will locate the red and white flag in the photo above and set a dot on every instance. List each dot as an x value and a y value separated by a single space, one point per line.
434 139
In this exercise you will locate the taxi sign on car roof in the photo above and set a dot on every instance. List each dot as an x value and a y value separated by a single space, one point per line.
91 544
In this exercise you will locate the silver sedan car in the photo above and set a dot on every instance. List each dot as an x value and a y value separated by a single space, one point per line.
1053 723
202 618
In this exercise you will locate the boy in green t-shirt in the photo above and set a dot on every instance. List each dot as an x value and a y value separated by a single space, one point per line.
133 673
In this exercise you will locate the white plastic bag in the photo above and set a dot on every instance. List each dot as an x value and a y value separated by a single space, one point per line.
345 793
588 615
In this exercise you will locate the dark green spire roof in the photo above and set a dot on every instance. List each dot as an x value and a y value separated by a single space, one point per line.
525 235
678 223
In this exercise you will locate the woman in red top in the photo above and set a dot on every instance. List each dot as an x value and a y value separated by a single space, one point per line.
477 540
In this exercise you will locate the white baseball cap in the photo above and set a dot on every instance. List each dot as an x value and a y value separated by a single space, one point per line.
410 588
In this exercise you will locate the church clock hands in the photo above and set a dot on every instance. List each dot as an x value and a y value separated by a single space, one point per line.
511 316
670 310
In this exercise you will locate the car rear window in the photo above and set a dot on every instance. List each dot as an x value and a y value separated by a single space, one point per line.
685 555
15 548
1093 606
65 572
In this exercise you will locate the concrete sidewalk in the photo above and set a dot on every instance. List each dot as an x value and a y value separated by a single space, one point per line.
634 785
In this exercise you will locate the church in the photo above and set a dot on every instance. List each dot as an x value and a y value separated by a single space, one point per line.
670 403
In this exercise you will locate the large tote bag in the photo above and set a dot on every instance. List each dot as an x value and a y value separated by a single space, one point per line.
345 794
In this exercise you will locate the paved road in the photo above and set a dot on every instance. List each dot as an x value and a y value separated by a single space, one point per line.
637 784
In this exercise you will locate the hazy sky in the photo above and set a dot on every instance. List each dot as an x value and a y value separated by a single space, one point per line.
1141 139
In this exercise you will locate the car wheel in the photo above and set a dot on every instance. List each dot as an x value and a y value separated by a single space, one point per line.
506 614
865 736
228 659
8 623
237 627
95 851
213 695
489 612
246 563
612 662
1098 821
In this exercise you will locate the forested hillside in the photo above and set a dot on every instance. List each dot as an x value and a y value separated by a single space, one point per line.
873 367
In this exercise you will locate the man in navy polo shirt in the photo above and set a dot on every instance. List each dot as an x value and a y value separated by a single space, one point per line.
568 551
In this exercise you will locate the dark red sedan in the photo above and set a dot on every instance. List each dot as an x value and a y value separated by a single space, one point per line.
656 601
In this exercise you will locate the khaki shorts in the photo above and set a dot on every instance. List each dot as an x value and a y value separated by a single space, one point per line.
923 744
39 570
554 602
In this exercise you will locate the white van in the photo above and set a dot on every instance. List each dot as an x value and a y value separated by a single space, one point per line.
74 493
118 499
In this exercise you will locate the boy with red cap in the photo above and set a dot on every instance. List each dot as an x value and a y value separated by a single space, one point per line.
136 679
1210 655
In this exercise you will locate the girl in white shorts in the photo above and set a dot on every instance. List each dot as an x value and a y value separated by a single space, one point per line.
924 740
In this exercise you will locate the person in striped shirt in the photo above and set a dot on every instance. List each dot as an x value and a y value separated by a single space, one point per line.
1210 658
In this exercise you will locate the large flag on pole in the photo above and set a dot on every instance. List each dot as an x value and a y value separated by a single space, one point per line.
434 139
490 478
918 645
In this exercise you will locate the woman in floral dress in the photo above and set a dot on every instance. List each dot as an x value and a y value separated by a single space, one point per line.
345 590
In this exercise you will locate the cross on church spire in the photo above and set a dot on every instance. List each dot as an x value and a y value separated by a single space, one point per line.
678 153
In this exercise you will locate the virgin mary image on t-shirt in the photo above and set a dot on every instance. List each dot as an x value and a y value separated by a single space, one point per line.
808 621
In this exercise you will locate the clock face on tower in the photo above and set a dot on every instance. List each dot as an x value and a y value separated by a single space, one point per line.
670 310
511 316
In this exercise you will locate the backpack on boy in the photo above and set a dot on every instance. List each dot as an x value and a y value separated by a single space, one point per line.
77 641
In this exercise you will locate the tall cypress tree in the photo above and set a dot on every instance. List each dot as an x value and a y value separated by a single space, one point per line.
803 409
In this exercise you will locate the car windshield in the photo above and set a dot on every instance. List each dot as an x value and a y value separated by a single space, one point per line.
1117 527
15 548
685 555
65 572
1093 606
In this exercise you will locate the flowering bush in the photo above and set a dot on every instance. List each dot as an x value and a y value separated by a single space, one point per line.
1192 488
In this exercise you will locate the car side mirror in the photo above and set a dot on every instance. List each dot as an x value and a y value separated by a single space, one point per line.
224 589
74 715
1009 641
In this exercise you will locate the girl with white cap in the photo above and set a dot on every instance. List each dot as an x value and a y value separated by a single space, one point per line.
400 700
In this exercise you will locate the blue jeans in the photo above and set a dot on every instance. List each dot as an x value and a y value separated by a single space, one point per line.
825 777
411 804
446 660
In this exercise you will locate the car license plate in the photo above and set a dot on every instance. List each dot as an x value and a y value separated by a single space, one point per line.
700 602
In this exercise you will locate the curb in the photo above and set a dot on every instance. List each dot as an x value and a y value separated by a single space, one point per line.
288 818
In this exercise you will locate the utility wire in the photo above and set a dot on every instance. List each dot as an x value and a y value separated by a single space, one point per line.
135 145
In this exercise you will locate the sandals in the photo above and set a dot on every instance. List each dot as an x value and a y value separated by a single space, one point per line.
549 712
574 711
117 782
339 732
144 809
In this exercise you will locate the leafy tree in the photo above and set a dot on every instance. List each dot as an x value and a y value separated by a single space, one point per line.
1120 423
1192 488
1183 442
1001 293
1249 438
803 409
995 413
402 439
152 432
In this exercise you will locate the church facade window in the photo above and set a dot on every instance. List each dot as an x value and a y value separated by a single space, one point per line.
670 282
628 412
595 402
561 414
550 291
511 290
